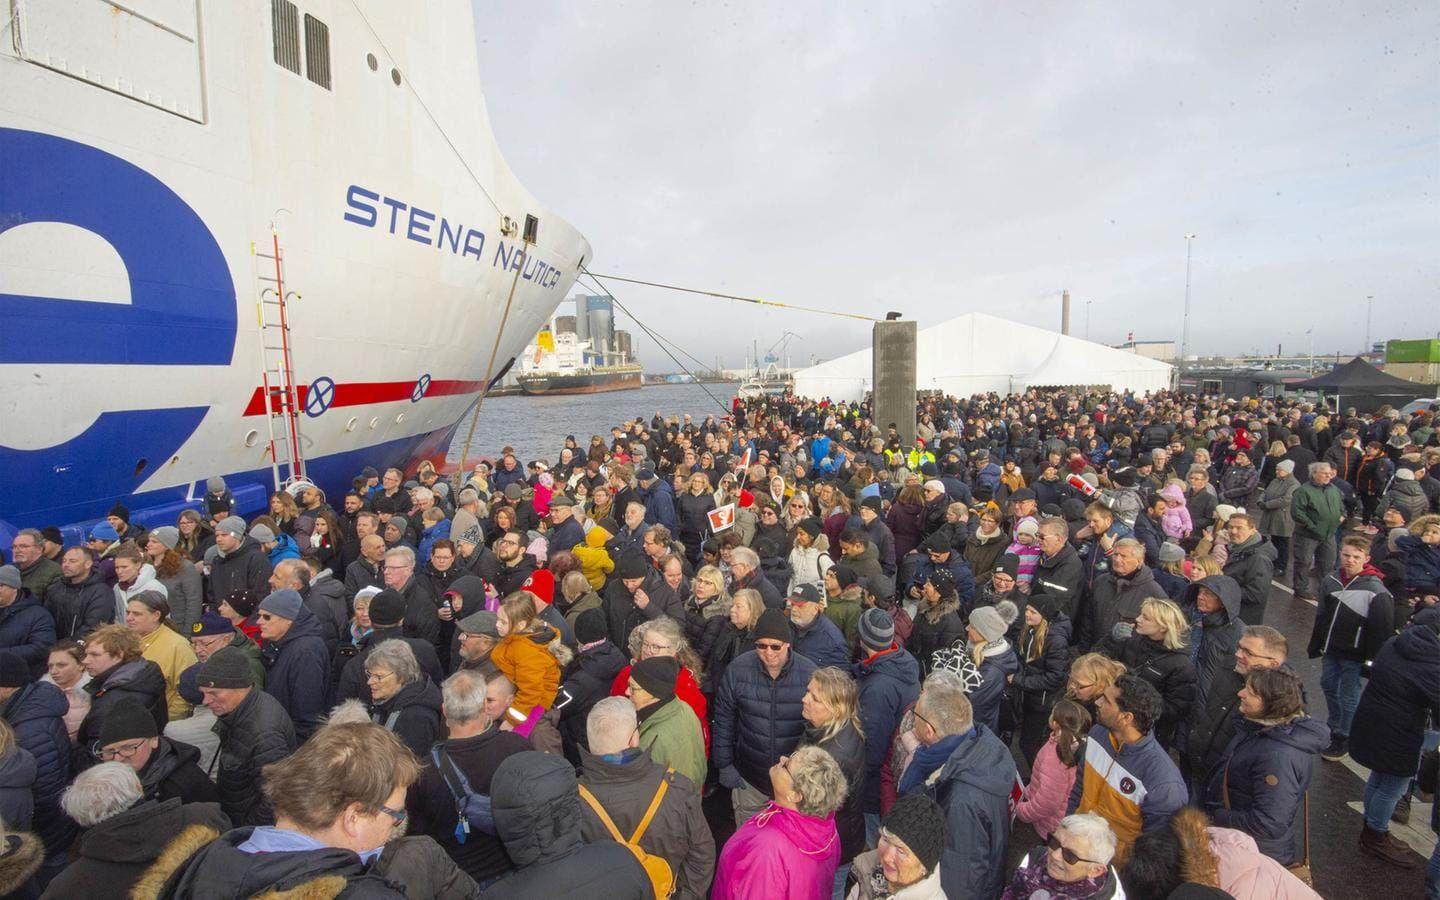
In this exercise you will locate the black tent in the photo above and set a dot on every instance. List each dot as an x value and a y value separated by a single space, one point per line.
1361 385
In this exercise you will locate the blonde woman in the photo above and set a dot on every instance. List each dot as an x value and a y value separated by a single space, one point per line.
831 707
692 510
1157 653
1090 676
707 611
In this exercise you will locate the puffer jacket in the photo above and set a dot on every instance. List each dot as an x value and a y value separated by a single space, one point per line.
996 666
808 565
823 642
1355 618
973 788
1213 636
1406 496
1404 689
889 684
413 714
245 569
758 719
79 609
937 627
139 680
847 748
1258 785
252 735
1247 874
587 681
1042 680
36 713
1252 565
538 816
185 592
779 853
28 631
527 660
299 674
1172 674
678 832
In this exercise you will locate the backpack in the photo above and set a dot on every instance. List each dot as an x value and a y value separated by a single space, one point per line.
662 879
472 810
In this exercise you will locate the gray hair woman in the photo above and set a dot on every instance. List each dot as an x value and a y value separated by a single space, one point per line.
402 699
1074 863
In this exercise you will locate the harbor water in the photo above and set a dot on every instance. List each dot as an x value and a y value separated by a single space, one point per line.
536 426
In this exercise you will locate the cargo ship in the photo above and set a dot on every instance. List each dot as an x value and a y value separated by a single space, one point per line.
560 361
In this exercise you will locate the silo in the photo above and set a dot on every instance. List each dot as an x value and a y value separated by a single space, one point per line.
582 318
564 324
602 324
622 346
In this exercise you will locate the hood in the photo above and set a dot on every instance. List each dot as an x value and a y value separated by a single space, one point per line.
1304 734
422 693
899 664
1258 545
144 581
135 835
1225 587
284 543
869 554
604 661
307 624
225 870
168 757
1420 643
807 834
39 700
536 808
136 675
95 577
472 593
983 765
17 768
596 537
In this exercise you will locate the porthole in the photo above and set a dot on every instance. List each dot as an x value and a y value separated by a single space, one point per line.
251 437
372 62
395 76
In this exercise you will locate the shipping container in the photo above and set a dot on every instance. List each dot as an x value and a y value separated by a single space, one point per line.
1423 351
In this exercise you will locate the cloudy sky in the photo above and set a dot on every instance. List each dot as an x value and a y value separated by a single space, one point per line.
947 157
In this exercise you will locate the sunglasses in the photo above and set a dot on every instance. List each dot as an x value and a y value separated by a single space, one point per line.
769 647
1070 856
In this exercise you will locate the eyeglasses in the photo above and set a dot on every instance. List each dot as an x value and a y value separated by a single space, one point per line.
925 720
769 647
398 816
656 648
377 676
1070 856
121 751
1241 651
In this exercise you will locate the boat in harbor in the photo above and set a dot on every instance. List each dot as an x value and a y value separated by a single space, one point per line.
767 382
268 241
559 362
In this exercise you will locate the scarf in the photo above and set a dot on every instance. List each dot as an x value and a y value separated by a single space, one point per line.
1033 882
927 760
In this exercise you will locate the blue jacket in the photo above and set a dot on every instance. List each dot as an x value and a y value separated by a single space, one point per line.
1268 769
987 698
989 475
964 579
889 684
758 719
659 500
1404 687
36 713
565 536
823 643
299 676
819 451
1422 562
284 548
28 630
439 531
973 788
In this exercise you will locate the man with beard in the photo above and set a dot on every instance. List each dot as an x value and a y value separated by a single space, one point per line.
516 566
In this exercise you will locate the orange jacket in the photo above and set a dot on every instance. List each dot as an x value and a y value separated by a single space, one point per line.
526 660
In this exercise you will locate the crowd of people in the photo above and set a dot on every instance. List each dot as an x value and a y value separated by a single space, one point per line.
1043 617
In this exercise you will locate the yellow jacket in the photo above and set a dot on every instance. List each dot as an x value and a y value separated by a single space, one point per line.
594 559
173 655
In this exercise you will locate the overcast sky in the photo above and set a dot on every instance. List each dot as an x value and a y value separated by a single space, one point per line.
941 158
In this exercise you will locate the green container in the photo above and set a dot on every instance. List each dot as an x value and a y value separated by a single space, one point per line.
1427 351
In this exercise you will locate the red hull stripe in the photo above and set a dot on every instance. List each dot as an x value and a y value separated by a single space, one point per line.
363 393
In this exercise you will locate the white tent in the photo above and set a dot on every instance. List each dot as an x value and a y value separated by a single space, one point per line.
978 353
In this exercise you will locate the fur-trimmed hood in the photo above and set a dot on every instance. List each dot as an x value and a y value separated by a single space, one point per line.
20 857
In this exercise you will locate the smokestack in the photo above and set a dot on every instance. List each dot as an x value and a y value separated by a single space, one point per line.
1064 312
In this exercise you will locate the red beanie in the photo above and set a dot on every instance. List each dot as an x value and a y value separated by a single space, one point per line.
542 584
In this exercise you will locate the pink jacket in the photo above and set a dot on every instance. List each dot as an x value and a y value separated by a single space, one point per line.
1043 803
779 853
1247 874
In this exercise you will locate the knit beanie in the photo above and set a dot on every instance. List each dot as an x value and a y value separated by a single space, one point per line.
387 608
590 626
938 542
943 580
120 512
992 621
242 601
215 484
226 668
920 823
285 603
541 583
1008 563
127 720
773 625
14 672
844 575
262 534
10 577
810 526
877 629
231 525
657 676
1286 465
633 565
167 535
1171 552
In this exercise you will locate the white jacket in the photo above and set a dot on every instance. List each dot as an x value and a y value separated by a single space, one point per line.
145 581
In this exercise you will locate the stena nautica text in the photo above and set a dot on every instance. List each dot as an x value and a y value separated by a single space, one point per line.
262 239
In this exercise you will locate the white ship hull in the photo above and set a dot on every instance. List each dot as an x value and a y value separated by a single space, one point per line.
146 152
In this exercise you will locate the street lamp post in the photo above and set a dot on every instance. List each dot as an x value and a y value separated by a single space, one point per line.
1369 304
1185 325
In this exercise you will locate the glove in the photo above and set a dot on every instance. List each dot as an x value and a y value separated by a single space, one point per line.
730 778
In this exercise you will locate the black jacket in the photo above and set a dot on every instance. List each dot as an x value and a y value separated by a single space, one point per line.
413 714
432 806
326 599
80 608
422 613
1112 600
1264 774
758 719
1061 577
352 684
928 636
173 772
678 832
509 579
36 714
1042 680
139 680
848 749
28 631
1172 675
362 574
587 681
246 569
252 735
622 616
299 673
537 813
111 856
221 869
1355 617
1252 565
1212 725
1404 688
1219 632
728 644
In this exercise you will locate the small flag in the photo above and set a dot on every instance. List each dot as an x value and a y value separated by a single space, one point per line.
722 518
